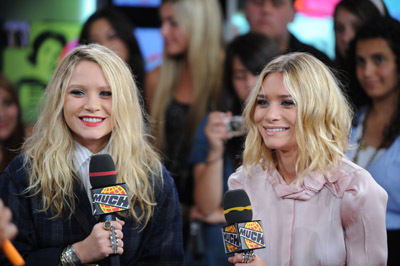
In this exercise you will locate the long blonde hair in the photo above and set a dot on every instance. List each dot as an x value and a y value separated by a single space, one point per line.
323 115
50 152
201 20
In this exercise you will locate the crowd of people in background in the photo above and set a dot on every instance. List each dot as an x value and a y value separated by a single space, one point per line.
314 141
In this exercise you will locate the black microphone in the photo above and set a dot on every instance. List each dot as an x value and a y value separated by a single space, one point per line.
108 197
241 235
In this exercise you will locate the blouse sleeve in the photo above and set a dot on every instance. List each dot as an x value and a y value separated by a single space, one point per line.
363 214
236 180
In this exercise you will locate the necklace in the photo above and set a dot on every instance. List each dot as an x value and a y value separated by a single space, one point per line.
361 145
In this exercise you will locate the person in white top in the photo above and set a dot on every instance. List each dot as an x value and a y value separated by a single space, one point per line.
316 206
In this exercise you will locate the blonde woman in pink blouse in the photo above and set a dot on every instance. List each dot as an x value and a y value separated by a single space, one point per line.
317 207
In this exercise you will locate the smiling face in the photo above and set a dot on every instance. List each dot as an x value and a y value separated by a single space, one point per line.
175 39
87 106
8 115
346 25
376 68
275 114
102 32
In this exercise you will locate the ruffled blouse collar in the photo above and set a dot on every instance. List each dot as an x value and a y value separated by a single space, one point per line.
309 186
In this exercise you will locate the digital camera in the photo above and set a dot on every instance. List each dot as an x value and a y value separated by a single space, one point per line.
235 126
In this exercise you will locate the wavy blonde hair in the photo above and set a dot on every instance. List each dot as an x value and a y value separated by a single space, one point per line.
201 20
50 150
323 115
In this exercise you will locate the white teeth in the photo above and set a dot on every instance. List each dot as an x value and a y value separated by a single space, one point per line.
276 129
92 120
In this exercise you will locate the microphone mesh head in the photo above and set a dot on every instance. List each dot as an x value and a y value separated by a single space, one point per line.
102 171
237 206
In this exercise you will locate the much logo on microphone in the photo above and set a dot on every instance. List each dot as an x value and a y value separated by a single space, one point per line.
252 234
231 238
110 199
243 236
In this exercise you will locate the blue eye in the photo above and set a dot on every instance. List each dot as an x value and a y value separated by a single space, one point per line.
77 92
105 93
262 102
288 103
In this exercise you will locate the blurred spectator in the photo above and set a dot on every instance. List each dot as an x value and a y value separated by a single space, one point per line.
376 59
271 17
11 126
184 85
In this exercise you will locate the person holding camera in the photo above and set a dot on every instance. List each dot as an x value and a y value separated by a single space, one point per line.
218 144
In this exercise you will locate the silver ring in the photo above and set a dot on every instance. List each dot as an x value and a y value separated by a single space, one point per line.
114 239
248 256
244 257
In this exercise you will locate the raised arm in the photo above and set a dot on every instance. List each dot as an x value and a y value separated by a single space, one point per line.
208 174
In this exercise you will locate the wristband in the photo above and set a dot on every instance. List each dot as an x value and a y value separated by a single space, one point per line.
69 257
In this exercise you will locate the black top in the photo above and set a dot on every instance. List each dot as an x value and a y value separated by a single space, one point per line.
177 149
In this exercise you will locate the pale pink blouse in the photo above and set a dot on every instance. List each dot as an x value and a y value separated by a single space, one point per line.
336 218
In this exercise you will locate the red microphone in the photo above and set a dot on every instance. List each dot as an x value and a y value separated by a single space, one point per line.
12 254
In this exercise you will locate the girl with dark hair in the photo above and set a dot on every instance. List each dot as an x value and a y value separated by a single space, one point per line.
11 125
348 16
218 144
375 55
